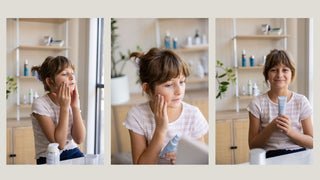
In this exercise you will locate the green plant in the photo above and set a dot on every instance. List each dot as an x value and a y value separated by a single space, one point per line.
224 79
11 86
123 58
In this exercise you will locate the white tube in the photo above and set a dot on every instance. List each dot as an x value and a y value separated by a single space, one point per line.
172 145
282 100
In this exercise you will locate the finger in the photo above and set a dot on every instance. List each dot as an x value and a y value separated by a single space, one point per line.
173 161
165 108
161 104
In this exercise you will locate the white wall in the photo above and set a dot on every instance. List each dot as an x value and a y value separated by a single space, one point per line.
258 48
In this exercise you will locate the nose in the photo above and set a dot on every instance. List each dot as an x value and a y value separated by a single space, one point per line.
177 89
71 77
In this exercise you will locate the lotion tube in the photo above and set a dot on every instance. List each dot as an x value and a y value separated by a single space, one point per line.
172 145
282 100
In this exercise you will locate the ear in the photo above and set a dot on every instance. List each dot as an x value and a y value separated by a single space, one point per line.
49 82
145 87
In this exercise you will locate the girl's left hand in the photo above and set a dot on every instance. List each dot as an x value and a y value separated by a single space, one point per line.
284 123
172 156
75 103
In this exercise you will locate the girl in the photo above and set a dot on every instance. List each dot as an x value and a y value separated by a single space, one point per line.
56 116
152 124
291 132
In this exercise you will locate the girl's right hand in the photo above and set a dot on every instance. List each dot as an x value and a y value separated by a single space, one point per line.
161 115
63 97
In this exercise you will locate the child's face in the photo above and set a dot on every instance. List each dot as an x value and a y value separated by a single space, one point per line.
173 91
65 76
280 76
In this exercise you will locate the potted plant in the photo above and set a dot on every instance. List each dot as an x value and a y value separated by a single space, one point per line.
119 81
223 79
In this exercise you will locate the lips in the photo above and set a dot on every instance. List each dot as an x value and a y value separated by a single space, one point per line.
176 100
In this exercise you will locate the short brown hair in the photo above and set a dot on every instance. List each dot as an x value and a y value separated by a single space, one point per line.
158 66
276 57
51 67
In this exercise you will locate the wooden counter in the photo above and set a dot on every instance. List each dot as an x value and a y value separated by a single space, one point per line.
232 114
24 122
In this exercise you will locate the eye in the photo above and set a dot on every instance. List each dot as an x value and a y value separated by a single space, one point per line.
168 85
182 82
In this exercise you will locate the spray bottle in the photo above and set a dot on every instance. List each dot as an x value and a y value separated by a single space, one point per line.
172 145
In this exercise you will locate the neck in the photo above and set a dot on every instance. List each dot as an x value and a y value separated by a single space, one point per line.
274 93
53 99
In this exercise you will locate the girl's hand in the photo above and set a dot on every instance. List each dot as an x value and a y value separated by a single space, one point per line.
63 97
75 103
160 113
172 156
284 123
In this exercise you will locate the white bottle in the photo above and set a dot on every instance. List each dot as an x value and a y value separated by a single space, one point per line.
200 70
35 96
30 96
249 88
53 156
255 90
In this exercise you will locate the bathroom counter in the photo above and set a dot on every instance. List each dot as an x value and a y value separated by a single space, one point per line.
232 114
24 122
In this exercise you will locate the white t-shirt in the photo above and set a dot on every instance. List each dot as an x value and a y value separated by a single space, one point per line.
298 108
45 107
191 122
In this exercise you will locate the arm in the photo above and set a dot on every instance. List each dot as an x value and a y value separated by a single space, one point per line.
148 154
78 131
304 139
258 139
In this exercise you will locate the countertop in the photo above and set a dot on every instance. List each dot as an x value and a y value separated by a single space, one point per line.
232 114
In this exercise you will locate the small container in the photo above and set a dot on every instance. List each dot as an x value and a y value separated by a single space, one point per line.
25 68
25 100
249 88
255 90
175 43
204 39
257 156
252 61
189 42
53 154
34 73
30 96
244 60
244 90
197 40
35 96
167 40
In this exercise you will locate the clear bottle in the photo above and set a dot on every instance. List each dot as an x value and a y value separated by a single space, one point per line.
30 96
249 88
53 155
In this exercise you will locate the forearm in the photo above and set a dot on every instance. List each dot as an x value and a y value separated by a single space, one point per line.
302 140
78 130
260 140
151 153
61 131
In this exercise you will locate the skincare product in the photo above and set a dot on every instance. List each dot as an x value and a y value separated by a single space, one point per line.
204 61
244 90
172 145
189 41
197 40
249 88
30 96
35 96
25 67
255 90
204 39
34 73
167 40
244 60
175 43
25 99
257 156
53 155
200 70
282 101
252 60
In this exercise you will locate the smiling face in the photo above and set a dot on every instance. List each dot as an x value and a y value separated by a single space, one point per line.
65 76
172 90
280 76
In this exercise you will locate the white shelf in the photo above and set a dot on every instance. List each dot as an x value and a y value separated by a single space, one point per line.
250 67
194 48
45 20
27 77
267 36
197 80
25 106
32 47
246 97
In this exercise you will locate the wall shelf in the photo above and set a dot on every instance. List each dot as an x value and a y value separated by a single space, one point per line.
246 97
45 20
250 67
25 106
260 36
31 47
27 77
194 48
197 80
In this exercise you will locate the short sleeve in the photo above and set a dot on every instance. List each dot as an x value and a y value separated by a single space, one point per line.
41 107
306 109
254 108
201 126
134 121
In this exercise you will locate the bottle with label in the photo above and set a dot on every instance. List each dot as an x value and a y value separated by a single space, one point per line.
175 43
53 155
249 88
252 60
172 145
244 60
35 96
25 67
30 96
197 40
167 40
255 90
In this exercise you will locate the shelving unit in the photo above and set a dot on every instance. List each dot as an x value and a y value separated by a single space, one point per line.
25 47
235 53
183 49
